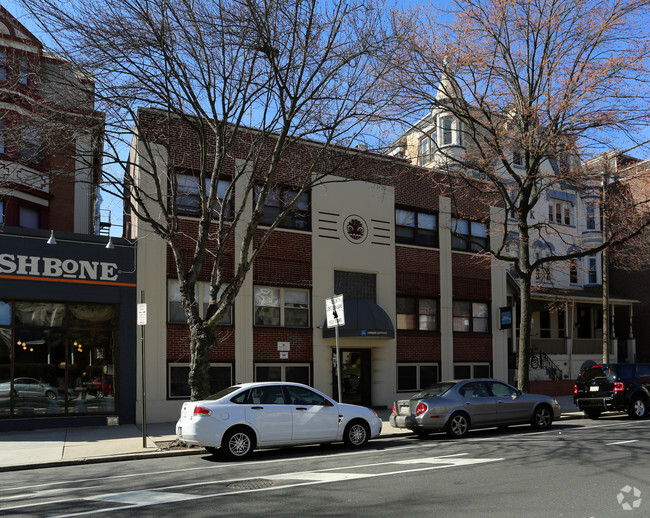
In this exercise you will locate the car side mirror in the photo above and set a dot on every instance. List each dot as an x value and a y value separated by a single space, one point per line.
518 394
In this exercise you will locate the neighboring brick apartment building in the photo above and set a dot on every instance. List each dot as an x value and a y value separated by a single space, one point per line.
66 340
420 304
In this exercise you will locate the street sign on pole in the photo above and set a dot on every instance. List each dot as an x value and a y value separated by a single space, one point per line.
142 314
334 310
336 318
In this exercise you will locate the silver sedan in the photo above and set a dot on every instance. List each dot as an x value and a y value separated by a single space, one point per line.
457 406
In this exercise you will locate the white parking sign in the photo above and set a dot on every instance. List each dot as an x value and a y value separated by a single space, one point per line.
334 310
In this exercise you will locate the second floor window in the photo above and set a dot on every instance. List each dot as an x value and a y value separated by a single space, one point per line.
278 199
425 152
416 313
470 317
188 198
468 235
23 71
417 228
593 273
573 271
560 213
284 307
175 311
591 216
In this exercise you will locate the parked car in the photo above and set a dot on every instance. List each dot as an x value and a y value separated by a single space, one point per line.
243 417
30 387
100 387
614 386
457 406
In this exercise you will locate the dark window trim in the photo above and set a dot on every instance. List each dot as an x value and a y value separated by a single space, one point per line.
471 315
417 299
417 229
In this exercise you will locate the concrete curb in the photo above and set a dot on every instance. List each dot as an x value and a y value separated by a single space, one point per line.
178 453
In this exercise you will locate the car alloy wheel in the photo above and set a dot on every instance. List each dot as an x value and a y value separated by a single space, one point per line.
458 426
542 418
356 434
638 408
238 443
50 395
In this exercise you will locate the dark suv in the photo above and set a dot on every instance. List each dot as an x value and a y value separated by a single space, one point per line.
614 386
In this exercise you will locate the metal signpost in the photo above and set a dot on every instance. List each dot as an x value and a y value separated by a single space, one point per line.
336 318
142 321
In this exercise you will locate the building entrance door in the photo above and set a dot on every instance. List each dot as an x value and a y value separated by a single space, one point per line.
355 374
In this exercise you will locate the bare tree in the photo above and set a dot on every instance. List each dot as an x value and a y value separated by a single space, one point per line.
536 87
243 84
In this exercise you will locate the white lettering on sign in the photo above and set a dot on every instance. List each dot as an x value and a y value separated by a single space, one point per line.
52 267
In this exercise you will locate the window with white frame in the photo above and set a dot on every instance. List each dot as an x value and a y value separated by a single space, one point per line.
178 374
292 372
591 216
417 313
464 371
416 376
446 125
471 317
188 195
469 235
518 158
426 148
573 271
560 212
416 228
592 272
285 307
175 311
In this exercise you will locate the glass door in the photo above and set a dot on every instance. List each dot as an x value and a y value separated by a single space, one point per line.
355 376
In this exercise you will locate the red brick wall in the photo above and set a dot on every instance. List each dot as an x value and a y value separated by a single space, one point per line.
265 348
178 344
471 277
418 271
472 347
413 346
285 260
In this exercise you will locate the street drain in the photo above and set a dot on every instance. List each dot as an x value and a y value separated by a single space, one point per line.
255 483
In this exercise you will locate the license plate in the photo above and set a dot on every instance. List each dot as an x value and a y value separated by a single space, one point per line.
593 389
404 410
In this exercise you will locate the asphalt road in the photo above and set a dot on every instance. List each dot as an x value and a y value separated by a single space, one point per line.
579 468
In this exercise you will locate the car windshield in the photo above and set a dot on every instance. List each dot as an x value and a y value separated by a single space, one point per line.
222 393
434 390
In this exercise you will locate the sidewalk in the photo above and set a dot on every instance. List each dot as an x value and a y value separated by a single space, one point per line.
64 446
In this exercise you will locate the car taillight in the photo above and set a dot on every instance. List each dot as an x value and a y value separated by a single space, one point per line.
421 409
394 412
575 390
199 410
619 386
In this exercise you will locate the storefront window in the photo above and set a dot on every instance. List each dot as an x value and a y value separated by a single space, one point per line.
63 359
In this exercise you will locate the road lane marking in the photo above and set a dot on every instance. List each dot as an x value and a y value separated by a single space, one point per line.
303 479
143 498
621 442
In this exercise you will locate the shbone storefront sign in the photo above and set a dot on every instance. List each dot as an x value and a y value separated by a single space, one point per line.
11 264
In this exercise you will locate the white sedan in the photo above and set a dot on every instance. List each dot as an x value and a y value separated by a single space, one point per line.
241 418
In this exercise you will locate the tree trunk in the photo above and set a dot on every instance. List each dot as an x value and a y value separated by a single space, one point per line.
523 373
201 344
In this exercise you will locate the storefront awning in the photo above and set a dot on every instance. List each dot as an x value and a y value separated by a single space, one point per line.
363 319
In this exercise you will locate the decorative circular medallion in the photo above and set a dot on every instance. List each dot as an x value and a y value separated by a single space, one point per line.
355 229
